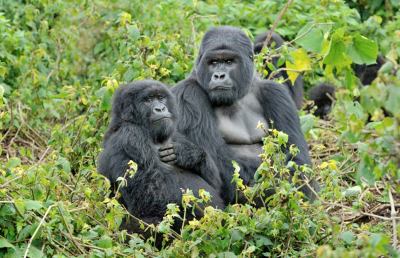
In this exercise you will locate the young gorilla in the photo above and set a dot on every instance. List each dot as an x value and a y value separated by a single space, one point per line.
276 41
142 129
323 96
222 102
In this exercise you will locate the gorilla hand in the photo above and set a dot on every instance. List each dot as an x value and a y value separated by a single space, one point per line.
182 153
167 154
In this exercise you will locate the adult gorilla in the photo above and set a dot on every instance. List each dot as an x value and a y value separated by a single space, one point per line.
142 129
222 101
276 41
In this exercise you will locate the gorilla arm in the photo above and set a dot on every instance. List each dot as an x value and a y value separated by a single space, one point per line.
280 109
182 152
189 156
129 143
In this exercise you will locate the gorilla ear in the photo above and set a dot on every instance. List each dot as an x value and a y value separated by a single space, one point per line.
120 109
127 113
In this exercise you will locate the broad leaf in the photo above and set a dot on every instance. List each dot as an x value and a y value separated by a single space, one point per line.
363 50
310 38
301 62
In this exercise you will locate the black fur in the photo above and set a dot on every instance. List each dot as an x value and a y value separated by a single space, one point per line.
368 73
134 134
323 96
319 94
196 108
276 41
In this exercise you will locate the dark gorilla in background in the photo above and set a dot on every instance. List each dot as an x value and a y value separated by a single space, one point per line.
319 94
368 73
276 41
142 129
222 101
323 96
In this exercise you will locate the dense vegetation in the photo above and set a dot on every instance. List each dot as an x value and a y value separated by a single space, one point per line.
60 62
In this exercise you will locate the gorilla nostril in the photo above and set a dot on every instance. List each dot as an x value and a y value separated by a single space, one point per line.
218 76
159 109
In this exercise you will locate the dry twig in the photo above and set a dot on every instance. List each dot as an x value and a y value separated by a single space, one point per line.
393 218
37 229
275 24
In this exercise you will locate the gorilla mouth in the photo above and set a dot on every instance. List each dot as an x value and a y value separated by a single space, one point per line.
221 87
161 118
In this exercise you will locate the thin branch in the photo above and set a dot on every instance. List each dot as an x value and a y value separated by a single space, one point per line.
37 229
275 24
393 218
10 181
74 242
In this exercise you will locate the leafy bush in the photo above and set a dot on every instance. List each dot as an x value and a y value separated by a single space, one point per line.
60 62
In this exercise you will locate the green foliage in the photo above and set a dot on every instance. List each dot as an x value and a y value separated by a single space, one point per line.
60 62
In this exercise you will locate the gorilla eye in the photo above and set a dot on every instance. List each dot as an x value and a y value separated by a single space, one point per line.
213 62
229 61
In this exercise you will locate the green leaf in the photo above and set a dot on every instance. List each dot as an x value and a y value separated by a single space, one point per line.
363 50
27 231
310 38
130 74
263 241
133 31
64 164
5 244
349 79
13 162
35 252
393 102
1 95
347 236
236 235
307 123
33 205
336 54
386 67
282 138
226 255
365 171
20 205
301 62
104 242
352 191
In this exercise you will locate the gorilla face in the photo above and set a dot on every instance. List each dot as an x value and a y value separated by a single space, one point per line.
219 76
150 105
225 66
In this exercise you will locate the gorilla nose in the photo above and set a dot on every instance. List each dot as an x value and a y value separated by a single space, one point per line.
219 76
159 109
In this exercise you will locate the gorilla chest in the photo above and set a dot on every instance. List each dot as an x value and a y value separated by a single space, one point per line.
238 123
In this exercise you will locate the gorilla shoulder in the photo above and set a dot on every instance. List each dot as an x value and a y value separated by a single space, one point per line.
274 94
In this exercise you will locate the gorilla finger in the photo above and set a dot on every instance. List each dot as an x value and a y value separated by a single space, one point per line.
169 158
171 162
166 152
166 147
